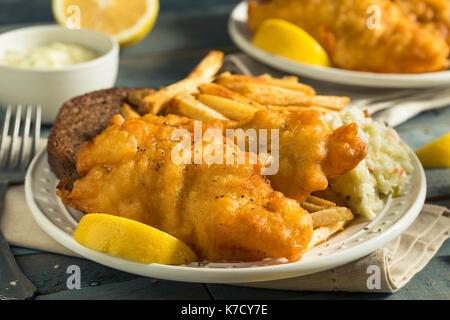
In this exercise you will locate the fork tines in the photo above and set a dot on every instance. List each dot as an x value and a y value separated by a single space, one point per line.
20 135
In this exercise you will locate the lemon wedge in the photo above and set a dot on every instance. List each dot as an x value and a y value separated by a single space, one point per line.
285 39
127 21
129 239
436 154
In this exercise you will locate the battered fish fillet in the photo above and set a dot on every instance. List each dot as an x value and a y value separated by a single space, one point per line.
223 212
309 152
399 45
434 15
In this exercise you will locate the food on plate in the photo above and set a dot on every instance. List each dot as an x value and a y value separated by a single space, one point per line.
237 82
323 233
313 204
204 72
333 163
384 171
128 111
135 97
361 35
223 92
327 218
235 96
79 120
129 239
436 154
434 15
227 107
127 21
330 216
309 152
52 55
269 92
285 39
195 109
222 211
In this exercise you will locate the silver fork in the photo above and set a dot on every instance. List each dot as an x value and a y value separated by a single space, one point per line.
15 156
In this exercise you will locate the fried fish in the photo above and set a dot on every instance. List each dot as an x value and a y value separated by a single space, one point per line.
222 211
363 35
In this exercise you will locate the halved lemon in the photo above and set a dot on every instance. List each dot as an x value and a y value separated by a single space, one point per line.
129 239
127 21
436 154
285 39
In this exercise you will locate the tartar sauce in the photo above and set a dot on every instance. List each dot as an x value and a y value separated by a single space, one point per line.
53 55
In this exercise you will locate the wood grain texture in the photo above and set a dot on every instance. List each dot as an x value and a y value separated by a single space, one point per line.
138 289
184 32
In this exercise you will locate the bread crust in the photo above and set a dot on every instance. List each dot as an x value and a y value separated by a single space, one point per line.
79 120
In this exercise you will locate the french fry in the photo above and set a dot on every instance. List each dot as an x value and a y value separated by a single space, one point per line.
310 207
330 102
135 97
320 201
231 109
297 108
289 82
285 78
313 204
273 95
323 233
220 91
290 78
331 195
128 112
157 101
203 73
330 216
192 108
234 82
208 67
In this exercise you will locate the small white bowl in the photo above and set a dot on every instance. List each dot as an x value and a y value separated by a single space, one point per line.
51 87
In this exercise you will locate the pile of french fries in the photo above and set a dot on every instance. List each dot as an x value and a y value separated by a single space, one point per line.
204 96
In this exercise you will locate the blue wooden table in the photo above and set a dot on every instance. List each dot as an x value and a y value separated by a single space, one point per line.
184 32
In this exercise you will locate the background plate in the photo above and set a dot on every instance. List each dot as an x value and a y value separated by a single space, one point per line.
359 239
241 36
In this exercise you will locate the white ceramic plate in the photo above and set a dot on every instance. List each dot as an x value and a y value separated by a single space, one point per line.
359 239
241 35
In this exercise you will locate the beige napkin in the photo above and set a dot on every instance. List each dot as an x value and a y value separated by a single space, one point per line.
398 262
17 224
20 229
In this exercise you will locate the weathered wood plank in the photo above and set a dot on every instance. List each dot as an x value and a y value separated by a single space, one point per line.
48 272
421 130
15 11
138 289
425 127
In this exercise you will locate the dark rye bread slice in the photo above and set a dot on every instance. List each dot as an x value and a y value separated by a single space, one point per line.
79 120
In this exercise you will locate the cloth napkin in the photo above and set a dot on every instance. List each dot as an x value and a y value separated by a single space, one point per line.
17 224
